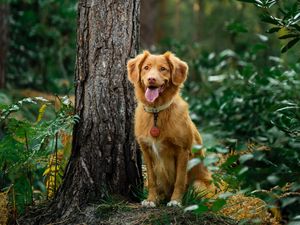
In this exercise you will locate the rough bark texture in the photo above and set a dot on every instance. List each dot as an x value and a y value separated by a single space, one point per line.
105 158
3 41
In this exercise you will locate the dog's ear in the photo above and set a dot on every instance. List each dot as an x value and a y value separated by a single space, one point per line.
179 69
134 67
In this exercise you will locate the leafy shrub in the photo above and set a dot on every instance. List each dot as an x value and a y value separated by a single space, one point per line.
244 104
285 19
42 45
26 145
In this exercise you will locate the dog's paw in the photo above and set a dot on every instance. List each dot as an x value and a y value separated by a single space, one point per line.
148 204
174 203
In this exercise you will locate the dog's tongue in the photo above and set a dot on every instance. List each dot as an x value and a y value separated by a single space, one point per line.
151 94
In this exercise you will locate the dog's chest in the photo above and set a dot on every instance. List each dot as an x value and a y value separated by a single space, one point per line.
155 145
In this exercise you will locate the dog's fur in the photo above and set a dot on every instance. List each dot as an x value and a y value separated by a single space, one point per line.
166 156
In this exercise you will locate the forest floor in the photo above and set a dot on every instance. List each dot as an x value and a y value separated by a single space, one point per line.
129 214
134 214
239 209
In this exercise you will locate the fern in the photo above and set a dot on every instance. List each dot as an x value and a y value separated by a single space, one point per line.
41 112
56 165
30 148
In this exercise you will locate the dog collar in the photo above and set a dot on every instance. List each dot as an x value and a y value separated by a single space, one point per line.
157 109
155 131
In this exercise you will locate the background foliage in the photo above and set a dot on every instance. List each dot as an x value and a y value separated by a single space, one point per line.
243 90
42 45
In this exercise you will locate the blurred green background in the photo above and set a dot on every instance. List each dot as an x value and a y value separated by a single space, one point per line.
243 86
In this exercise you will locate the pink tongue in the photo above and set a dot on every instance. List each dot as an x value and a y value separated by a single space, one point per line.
151 94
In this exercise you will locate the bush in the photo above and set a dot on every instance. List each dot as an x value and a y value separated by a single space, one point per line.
241 103
42 45
33 153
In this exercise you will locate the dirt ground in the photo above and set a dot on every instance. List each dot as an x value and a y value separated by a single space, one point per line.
134 215
131 214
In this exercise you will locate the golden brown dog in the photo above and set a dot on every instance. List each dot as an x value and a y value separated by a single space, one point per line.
164 129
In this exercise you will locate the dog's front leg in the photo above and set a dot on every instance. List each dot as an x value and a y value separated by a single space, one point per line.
181 178
152 192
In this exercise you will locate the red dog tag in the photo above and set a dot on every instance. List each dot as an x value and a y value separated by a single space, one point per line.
154 131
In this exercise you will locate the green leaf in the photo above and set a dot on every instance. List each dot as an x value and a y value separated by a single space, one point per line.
221 149
210 159
230 161
273 30
42 99
201 209
246 157
273 179
191 208
218 205
225 195
296 26
243 170
289 201
193 162
236 27
271 19
289 36
196 148
259 3
289 45
262 37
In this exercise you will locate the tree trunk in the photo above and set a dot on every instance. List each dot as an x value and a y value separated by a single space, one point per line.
105 158
3 41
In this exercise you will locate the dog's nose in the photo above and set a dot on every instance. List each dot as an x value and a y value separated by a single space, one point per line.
151 80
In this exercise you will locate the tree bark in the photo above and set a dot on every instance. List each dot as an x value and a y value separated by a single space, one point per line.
3 41
105 158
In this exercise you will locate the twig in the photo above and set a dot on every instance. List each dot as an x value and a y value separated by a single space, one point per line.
27 169
55 172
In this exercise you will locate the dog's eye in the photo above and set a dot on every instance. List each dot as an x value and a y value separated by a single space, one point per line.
146 68
162 69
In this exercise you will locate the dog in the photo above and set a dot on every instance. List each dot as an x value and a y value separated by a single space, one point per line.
164 129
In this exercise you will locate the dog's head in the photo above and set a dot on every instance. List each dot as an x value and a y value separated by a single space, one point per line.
157 78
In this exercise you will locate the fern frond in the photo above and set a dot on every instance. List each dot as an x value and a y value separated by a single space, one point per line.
53 172
41 112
